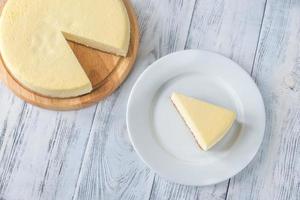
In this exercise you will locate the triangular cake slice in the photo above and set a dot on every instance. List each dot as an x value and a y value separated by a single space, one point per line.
208 123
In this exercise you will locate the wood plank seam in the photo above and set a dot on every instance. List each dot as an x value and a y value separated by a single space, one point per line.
259 37
253 63
228 184
77 188
2 148
151 189
85 152
192 16
185 45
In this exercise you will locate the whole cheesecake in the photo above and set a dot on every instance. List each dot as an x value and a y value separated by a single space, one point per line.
34 34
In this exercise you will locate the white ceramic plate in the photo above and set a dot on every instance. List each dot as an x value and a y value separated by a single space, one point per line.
161 138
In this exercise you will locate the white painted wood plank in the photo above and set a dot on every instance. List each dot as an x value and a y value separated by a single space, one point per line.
10 112
163 189
228 27
232 29
275 172
111 168
41 150
10 115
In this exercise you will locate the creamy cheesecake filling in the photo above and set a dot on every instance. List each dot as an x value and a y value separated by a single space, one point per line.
97 45
208 123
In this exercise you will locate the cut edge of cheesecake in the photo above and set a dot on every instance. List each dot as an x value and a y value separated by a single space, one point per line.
190 108
98 45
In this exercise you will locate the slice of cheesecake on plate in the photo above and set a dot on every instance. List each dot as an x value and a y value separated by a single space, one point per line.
209 123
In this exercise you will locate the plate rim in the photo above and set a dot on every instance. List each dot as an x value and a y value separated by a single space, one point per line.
234 172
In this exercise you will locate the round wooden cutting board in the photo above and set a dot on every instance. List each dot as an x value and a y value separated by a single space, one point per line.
105 71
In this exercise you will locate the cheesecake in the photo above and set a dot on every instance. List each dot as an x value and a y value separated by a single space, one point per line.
209 123
34 34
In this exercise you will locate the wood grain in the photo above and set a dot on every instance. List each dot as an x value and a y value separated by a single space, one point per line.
41 152
230 28
96 64
275 172
111 169
105 71
10 115
163 189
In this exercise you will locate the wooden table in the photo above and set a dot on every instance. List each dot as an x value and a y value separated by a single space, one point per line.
86 154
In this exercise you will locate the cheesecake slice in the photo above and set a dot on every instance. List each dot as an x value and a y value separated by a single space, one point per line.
208 123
